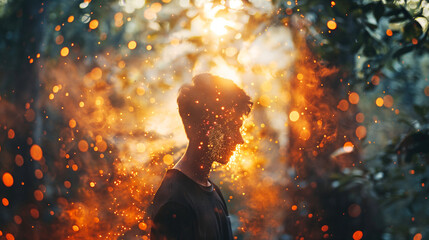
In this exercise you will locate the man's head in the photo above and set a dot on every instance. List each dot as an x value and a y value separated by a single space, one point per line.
212 110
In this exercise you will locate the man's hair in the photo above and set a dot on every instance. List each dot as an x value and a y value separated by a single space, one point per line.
210 100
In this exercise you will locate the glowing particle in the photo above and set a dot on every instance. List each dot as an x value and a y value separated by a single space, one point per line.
168 159
67 184
418 236
294 207
142 226
75 167
75 228
354 210
59 39
332 3
121 64
415 41
64 51
294 116
92 184
357 235
348 147
379 102
360 132
93 24
83 146
99 101
5 202
375 80
11 134
81 104
72 123
331 24
388 101
57 28
101 145
19 160
325 228
354 98
343 105
36 152
34 213
132 45
140 91
304 134
17 219
55 89
10 236
96 73
38 195
300 76
70 19
389 32
149 14
149 47
38 174
51 96
360 117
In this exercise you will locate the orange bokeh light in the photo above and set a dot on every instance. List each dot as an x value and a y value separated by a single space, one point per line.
11 134
379 102
388 101
361 132
72 123
93 24
354 98
83 146
294 116
357 235
343 105
64 51
348 147
5 202
418 236
389 32
70 19
331 24
10 236
132 45
360 117
36 152
325 228
38 195
7 179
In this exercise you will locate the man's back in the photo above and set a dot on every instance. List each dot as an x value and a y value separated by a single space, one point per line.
183 209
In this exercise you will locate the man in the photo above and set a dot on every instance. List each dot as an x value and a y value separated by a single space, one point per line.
188 205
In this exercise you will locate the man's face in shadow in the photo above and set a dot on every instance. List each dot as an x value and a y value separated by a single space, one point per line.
223 139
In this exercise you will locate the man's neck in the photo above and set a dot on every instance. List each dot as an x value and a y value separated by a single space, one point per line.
196 164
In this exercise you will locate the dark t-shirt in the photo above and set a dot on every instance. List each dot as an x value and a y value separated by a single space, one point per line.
183 209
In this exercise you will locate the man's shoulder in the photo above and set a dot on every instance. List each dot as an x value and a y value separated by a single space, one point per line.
172 187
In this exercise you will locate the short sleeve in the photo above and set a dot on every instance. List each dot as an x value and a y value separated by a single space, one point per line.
173 221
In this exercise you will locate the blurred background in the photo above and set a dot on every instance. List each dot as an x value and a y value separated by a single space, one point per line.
336 144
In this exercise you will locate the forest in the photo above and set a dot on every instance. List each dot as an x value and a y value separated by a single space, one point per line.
335 147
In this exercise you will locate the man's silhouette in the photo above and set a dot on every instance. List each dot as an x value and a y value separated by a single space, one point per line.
188 205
